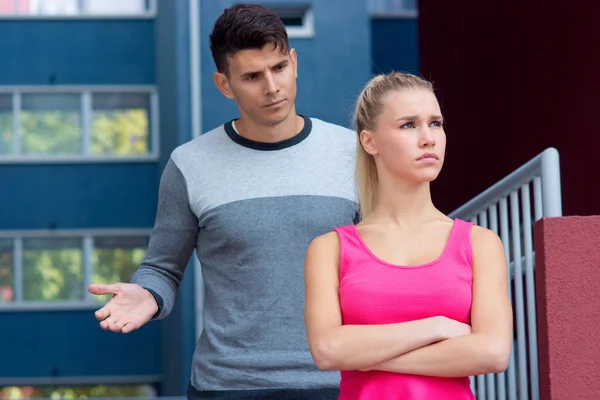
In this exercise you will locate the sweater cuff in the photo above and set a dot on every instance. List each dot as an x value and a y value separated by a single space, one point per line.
159 302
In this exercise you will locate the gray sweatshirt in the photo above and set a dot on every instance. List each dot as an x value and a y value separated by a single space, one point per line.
250 210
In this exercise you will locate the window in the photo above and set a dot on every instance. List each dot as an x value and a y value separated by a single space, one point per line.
68 124
7 290
50 124
77 391
56 268
6 124
298 20
120 124
77 8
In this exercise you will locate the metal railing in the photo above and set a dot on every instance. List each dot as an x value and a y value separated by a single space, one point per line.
506 209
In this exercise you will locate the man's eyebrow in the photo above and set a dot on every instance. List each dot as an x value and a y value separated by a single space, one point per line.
279 64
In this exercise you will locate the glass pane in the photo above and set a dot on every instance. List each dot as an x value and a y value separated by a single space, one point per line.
50 7
6 270
6 123
51 123
116 6
52 269
79 391
115 259
120 124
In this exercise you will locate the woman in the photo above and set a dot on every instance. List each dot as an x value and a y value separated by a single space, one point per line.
408 303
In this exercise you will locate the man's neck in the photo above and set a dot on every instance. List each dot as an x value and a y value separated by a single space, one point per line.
257 132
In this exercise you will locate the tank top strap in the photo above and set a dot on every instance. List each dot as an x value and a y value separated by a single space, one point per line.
460 242
349 247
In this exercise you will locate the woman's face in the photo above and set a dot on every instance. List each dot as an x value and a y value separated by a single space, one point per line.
409 139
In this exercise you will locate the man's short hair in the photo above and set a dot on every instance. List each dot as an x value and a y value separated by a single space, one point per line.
245 27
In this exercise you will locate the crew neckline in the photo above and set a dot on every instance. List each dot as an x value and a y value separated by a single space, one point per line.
263 146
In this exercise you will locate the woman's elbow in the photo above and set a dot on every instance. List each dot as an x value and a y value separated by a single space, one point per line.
498 356
324 355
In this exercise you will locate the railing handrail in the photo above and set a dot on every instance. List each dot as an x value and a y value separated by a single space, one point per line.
546 163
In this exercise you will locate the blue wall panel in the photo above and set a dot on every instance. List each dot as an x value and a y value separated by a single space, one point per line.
71 343
332 66
173 80
395 45
68 52
78 196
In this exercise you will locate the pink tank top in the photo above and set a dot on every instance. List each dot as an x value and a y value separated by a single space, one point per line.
375 292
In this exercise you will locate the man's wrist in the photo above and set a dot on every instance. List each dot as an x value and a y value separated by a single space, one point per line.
159 302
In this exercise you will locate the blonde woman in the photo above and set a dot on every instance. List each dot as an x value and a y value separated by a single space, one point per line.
408 303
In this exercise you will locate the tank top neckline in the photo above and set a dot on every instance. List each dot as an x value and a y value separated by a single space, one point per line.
445 251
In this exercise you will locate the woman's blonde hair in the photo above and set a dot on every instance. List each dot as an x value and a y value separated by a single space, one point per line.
368 107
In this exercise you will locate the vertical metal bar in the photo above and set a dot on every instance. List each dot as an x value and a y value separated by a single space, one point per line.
551 191
481 379
86 123
18 265
537 198
88 250
530 293
154 131
496 391
485 383
196 111
17 138
504 235
483 219
473 388
519 301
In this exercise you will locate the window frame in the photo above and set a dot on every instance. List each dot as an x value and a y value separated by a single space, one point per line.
87 237
85 93
150 13
304 12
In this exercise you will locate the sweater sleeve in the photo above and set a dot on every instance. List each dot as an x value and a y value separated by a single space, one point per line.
172 241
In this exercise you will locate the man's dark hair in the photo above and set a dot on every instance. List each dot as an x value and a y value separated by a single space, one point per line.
245 27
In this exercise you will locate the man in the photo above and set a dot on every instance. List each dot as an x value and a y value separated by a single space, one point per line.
249 196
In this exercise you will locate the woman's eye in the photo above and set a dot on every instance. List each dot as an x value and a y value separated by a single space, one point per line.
408 125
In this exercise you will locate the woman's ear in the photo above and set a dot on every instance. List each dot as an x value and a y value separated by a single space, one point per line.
368 143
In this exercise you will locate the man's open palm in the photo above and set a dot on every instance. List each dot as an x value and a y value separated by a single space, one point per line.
130 307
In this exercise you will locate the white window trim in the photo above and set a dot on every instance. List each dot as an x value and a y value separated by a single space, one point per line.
307 30
82 380
87 237
149 14
85 93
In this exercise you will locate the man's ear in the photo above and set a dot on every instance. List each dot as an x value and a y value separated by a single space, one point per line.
294 57
222 83
367 142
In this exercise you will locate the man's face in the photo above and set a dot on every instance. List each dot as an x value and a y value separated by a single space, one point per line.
262 83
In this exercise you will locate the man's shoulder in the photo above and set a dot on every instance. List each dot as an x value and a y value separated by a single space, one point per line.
321 125
330 134
200 146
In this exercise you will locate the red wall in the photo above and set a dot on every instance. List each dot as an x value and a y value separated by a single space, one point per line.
513 78
567 286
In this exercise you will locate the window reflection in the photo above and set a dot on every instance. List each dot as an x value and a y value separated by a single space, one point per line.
6 124
7 293
115 259
51 124
120 123
52 269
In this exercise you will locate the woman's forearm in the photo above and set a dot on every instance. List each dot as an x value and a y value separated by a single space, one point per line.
468 355
350 347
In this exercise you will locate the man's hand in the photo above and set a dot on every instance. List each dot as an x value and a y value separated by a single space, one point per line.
130 308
